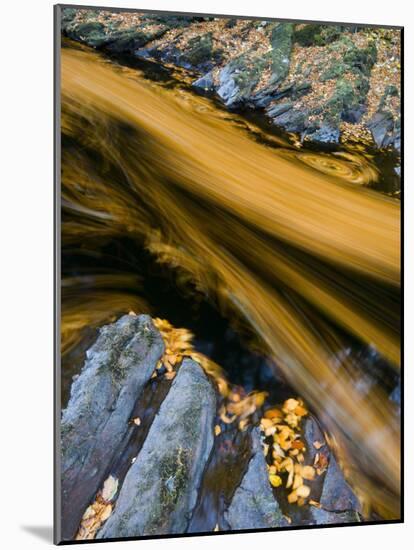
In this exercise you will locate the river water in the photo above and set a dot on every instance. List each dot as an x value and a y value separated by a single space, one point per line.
173 206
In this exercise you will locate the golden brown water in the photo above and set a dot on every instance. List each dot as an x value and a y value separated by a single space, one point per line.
285 242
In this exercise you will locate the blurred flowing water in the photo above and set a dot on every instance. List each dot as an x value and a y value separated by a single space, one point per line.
283 261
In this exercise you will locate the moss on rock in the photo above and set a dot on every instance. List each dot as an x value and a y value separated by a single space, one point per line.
316 35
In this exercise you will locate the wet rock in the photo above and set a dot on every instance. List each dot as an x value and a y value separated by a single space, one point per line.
326 134
292 121
323 517
237 81
380 125
337 495
338 502
312 433
205 82
253 505
395 138
279 109
160 489
102 398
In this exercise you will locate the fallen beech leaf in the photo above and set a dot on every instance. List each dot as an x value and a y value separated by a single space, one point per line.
170 375
137 421
278 451
89 512
292 497
266 423
272 469
292 420
106 513
308 472
290 479
235 397
109 488
243 424
297 482
285 444
315 503
318 445
273 413
217 430
303 491
260 398
275 480
172 359
223 387
290 405
227 419
320 463
300 411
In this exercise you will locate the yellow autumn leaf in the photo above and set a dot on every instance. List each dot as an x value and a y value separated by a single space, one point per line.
275 480
308 472
292 497
303 491
109 488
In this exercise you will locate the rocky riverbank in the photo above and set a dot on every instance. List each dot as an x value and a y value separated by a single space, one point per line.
155 441
327 84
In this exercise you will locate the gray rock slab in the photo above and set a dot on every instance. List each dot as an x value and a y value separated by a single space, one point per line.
102 398
253 505
160 489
